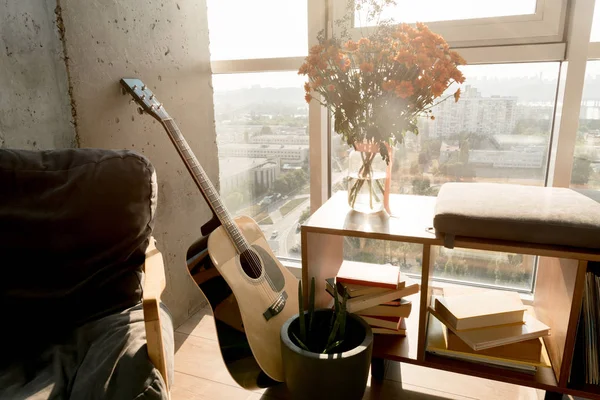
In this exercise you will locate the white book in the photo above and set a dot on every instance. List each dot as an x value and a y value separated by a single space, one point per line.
370 300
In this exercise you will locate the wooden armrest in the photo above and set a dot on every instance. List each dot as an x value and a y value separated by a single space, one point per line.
154 285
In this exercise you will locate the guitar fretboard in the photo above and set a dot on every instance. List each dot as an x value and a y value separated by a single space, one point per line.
205 185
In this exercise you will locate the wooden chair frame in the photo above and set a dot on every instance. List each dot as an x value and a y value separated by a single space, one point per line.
154 285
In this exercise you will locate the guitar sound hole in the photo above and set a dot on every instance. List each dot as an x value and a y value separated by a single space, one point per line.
251 264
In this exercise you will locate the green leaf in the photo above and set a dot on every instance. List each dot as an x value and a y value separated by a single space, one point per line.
311 305
333 333
332 346
300 342
301 312
343 316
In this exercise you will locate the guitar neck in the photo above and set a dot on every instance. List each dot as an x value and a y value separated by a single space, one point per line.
205 185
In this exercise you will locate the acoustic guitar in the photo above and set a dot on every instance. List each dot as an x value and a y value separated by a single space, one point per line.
264 290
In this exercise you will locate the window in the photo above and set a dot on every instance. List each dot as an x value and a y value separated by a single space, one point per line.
586 161
500 131
466 23
242 29
595 34
261 122
444 10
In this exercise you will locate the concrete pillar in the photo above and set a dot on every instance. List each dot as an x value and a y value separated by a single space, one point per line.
34 101
164 43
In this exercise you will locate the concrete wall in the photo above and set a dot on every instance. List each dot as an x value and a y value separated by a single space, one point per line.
34 102
166 45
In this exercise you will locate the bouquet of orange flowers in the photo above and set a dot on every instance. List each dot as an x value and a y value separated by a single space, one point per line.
376 87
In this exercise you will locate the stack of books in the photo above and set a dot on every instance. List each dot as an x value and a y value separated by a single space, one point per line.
375 292
585 368
489 327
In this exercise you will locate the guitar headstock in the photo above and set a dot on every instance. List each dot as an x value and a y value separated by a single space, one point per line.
144 97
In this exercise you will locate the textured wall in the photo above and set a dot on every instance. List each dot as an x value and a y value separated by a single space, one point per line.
166 45
34 100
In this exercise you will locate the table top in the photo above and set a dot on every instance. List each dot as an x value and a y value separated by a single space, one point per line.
411 221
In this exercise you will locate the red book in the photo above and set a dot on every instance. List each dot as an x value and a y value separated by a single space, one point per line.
376 275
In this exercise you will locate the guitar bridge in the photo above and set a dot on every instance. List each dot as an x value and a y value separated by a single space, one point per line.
277 306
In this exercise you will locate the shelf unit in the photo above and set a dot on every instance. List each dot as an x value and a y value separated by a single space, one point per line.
557 297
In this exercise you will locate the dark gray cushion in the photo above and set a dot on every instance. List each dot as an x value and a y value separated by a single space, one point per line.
74 226
556 216
103 359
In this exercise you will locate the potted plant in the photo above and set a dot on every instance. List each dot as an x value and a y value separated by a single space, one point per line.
326 352
376 88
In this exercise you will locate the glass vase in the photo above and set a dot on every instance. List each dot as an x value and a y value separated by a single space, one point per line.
368 179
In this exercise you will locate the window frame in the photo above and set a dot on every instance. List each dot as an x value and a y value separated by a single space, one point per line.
559 33
545 25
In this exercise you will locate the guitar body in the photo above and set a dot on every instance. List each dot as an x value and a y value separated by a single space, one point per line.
255 296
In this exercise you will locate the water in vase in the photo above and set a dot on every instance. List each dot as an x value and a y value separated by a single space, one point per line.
365 194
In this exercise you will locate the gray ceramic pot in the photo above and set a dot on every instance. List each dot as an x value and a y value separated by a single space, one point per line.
342 375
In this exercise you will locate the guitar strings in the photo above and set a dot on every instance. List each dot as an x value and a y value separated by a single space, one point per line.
253 260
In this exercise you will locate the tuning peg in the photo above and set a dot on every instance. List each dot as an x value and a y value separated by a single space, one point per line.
143 87
123 91
152 96
140 110
131 101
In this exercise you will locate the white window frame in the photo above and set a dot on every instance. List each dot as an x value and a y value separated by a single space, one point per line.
545 25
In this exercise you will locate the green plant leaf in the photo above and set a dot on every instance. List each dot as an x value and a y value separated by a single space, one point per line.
343 316
300 342
301 312
332 346
333 333
311 305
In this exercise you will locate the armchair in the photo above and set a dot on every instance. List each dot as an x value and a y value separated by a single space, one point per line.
81 278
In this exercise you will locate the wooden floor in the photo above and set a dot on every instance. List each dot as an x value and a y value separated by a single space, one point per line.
201 374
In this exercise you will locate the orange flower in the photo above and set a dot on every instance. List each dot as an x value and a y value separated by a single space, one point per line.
457 76
388 85
363 42
405 57
404 89
331 87
432 118
437 89
308 98
316 49
303 69
457 95
456 58
366 67
351 46
306 87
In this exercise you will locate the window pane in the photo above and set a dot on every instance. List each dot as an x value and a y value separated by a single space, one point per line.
595 34
241 29
262 137
444 10
498 131
586 162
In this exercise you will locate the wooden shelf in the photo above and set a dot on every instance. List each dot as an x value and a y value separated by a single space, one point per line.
542 379
557 300
412 222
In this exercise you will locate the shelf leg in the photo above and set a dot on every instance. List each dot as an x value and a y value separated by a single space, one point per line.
553 396
378 368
